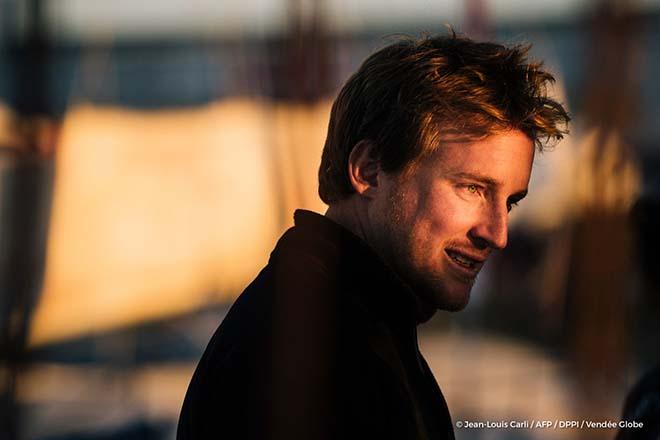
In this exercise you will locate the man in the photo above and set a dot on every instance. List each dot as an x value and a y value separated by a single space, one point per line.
430 145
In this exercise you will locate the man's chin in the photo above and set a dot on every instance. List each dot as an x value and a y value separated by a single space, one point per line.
449 298
456 305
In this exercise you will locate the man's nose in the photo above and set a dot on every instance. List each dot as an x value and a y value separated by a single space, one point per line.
491 230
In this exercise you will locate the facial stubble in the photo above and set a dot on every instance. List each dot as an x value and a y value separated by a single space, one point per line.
401 249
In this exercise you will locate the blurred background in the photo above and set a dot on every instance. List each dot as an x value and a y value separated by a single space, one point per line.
152 152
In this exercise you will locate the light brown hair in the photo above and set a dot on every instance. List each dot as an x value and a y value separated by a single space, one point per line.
408 96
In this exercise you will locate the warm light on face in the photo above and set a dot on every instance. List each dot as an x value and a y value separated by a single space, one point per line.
439 225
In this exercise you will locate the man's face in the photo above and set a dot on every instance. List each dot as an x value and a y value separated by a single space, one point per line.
437 226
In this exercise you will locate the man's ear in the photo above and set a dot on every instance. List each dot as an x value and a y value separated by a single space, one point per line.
363 168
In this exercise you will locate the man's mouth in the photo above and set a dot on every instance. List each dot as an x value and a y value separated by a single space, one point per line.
470 262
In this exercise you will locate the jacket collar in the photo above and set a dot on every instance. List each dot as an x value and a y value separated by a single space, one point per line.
352 260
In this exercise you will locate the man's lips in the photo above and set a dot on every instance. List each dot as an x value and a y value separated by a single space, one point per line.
468 263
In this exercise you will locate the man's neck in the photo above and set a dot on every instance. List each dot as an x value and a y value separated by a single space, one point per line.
354 218
351 216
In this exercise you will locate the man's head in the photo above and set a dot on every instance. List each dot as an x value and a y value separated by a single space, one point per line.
429 145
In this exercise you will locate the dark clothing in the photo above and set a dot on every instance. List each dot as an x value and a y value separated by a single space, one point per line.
321 345
643 406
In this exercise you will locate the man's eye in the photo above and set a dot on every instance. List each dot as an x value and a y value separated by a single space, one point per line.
510 206
472 188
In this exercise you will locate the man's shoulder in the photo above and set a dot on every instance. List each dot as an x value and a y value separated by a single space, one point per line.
298 293
293 280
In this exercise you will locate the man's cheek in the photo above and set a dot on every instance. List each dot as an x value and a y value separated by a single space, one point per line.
457 216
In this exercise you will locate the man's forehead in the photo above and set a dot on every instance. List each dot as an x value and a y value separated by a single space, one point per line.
499 144
497 160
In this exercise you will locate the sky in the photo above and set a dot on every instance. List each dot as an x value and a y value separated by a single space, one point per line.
90 19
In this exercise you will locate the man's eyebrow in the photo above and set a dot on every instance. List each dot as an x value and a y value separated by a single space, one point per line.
477 177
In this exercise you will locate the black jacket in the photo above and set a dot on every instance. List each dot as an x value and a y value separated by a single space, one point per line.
321 345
